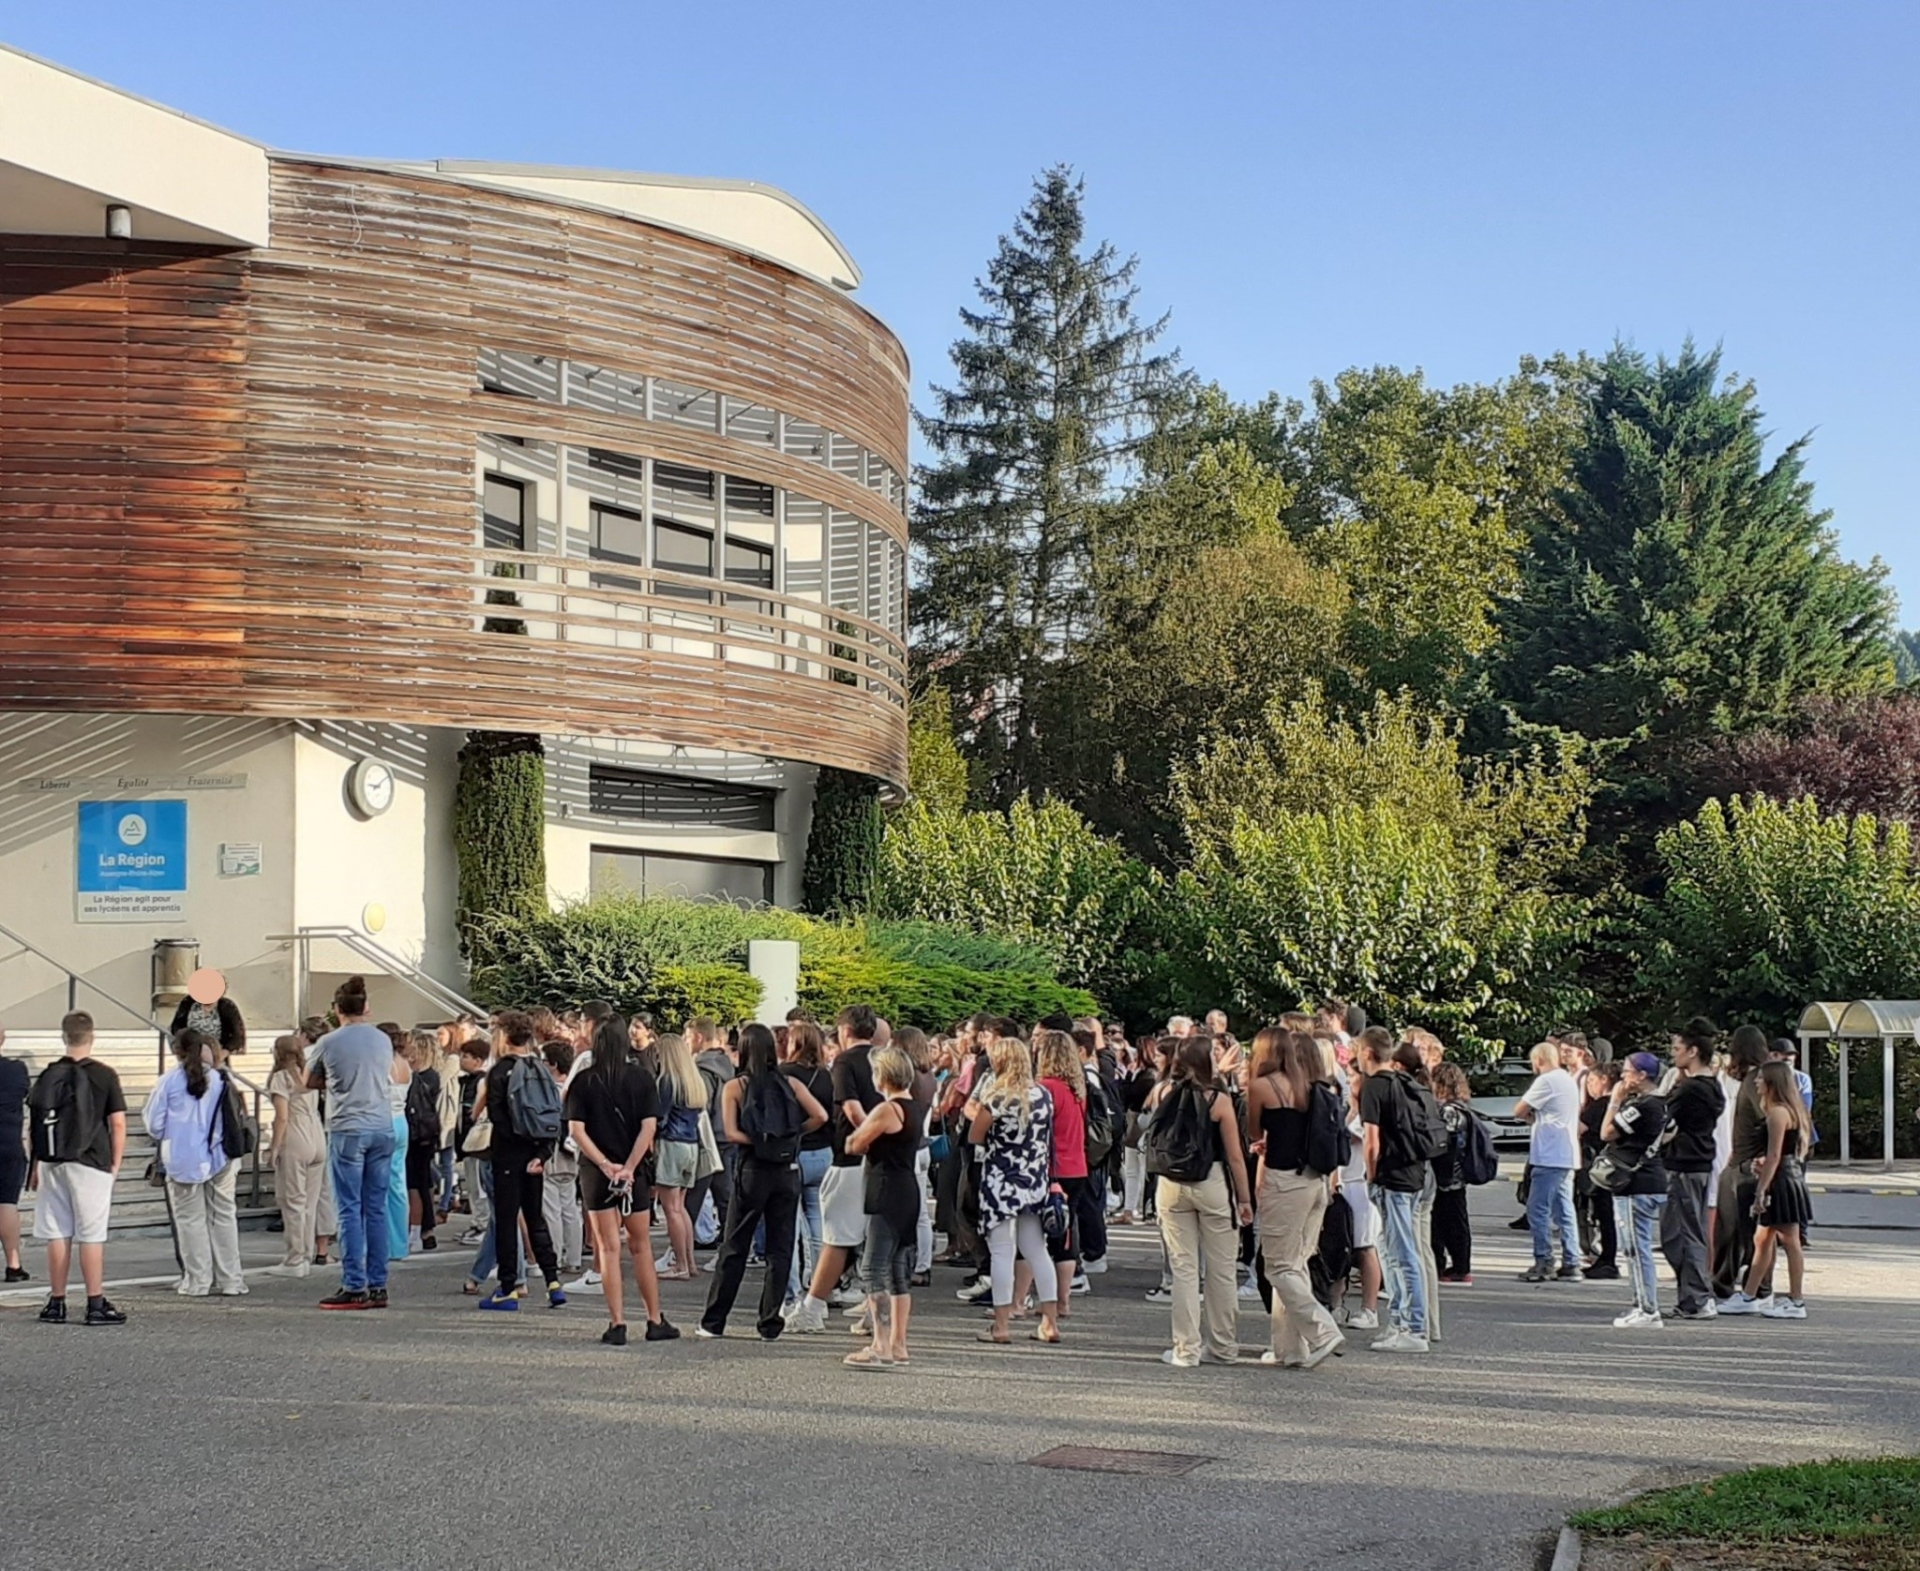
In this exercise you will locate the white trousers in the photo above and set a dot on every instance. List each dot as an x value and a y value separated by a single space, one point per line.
207 1229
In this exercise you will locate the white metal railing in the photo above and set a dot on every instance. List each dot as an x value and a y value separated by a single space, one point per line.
435 992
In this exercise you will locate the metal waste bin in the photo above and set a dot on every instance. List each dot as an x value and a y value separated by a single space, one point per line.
174 961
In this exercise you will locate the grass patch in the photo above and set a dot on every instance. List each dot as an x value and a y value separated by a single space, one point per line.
1814 1502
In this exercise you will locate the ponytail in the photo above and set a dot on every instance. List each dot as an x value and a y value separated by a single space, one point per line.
190 1047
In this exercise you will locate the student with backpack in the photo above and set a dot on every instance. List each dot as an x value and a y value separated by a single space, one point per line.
1404 1131
1194 1151
15 1083
422 1109
560 1196
184 1118
889 1137
1469 1151
77 1123
523 1104
1301 1129
763 1114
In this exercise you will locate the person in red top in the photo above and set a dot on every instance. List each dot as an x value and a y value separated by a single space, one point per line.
1063 1077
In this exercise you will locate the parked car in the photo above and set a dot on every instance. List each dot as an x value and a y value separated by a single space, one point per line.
1497 1094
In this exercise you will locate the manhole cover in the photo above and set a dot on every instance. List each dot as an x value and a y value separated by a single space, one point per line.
1104 1459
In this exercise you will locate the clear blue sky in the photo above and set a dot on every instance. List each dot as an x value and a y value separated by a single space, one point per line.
1309 185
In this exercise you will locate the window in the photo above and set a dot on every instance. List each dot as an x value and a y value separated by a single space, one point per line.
641 796
806 440
687 877
751 422
618 536
503 508
675 405
516 375
679 549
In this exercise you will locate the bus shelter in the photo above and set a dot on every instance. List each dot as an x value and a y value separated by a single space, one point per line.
1864 1020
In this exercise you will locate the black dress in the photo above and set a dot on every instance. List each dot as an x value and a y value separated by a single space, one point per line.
1788 1203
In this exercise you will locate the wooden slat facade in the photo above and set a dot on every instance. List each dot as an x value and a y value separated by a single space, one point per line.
243 482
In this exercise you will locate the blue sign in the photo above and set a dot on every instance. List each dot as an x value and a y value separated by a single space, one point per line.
133 861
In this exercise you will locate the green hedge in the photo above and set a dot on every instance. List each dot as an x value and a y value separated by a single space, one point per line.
932 997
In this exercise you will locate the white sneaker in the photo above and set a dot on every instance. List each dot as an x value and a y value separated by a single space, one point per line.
1363 1320
590 1279
1081 1285
1778 1308
1637 1319
1384 1344
704 1335
665 1263
473 1235
1094 1267
855 1311
1407 1342
1173 1358
1740 1304
1160 1295
1317 1356
1247 1290
846 1297
805 1320
298 1268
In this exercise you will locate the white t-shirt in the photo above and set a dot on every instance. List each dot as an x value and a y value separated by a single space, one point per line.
1555 1100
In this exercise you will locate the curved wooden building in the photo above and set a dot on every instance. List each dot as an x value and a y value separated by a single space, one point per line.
341 450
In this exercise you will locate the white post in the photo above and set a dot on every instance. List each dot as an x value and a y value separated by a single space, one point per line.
1846 1124
776 963
1886 1101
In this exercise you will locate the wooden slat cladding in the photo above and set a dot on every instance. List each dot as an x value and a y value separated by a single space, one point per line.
242 482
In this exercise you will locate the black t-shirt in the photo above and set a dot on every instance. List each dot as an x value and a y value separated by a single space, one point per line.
1383 1103
820 1082
108 1099
508 1144
852 1082
1694 1107
1637 1123
612 1108
14 1085
469 1090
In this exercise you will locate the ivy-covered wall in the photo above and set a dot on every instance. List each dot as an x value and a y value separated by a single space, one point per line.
499 829
843 847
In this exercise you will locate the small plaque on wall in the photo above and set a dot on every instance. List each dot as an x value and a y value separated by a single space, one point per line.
240 859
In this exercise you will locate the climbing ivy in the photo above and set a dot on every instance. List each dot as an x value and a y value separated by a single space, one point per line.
499 830
843 847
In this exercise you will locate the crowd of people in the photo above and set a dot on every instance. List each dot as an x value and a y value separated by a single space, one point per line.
1324 1168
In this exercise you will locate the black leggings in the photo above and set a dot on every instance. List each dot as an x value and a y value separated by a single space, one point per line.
1451 1234
516 1192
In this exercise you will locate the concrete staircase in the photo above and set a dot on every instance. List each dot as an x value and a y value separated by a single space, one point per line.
138 1207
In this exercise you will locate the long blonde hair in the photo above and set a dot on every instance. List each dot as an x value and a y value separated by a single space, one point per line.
1012 1082
679 1071
1059 1058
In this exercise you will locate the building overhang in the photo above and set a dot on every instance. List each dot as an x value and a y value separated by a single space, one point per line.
71 148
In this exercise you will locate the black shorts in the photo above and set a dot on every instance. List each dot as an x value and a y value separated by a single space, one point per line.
596 1194
13 1176
422 1175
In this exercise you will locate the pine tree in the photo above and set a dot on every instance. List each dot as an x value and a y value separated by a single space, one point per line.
1680 587
1057 384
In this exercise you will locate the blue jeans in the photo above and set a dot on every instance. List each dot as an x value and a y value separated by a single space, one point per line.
807 1237
397 1194
360 1162
1406 1282
1638 1219
443 1161
1550 1207
487 1260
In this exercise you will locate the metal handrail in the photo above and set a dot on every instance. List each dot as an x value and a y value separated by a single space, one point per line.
75 981
434 991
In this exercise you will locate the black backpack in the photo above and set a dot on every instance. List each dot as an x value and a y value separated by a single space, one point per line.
423 1112
1473 1149
238 1136
771 1118
65 1115
1420 1130
1332 1258
1181 1143
1103 1123
1329 1141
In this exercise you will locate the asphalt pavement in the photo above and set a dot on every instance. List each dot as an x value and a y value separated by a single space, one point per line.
262 1433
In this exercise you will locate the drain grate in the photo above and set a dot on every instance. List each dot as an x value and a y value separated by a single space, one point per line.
1104 1459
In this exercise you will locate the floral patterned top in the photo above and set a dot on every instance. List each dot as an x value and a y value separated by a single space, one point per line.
1019 1152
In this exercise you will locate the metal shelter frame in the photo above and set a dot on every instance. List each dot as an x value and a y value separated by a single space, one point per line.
1864 1019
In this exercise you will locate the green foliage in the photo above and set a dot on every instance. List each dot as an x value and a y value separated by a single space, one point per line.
1681 586
1036 875
1388 911
937 773
843 846
499 832
678 993
1530 813
933 996
1056 380
928 943
1767 907
1876 1498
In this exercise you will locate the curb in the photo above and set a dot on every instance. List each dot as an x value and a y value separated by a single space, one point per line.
1566 1554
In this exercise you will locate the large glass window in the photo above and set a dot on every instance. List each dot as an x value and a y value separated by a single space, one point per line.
503 514
612 869
618 536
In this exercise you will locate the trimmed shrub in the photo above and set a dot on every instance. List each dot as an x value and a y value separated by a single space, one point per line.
932 997
928 943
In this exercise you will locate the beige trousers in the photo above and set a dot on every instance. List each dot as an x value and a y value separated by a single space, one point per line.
1196 1220
1291 1206
297 1177
207 1229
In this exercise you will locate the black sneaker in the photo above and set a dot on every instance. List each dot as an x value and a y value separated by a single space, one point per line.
19 1274
346 1300
55 1314
662 1330
101 1313
376 1298
1518 1225
1570 1273
616 1336
428 1241
1601 1273
1534 1274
